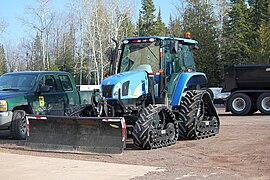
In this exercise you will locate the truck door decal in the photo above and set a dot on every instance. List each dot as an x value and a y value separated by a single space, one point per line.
41 101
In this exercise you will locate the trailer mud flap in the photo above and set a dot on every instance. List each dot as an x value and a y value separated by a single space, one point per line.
76 134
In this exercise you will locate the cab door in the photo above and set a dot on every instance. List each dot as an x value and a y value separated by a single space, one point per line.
50 102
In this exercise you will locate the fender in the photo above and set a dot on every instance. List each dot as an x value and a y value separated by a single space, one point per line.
185 80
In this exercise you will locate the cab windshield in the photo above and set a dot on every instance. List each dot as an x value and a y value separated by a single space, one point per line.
17 82
143 56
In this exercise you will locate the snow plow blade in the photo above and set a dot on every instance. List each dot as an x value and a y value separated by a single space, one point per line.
76 134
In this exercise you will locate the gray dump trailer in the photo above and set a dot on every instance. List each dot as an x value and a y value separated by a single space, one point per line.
249 86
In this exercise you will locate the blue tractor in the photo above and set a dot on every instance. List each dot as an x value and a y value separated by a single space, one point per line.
155 87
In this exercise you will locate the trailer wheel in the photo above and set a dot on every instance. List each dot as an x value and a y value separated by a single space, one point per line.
18 125
263 103
240 104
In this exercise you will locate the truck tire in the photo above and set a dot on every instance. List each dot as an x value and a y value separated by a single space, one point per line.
263 103
240 104
18 126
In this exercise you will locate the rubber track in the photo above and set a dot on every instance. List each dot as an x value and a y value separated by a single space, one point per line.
196 109
146 131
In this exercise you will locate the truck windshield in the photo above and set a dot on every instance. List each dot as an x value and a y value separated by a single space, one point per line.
140 56
17 82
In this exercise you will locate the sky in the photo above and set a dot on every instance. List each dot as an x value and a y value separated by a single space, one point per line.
11 10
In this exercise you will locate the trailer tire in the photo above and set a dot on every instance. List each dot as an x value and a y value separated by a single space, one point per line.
18 128
263 103
240 104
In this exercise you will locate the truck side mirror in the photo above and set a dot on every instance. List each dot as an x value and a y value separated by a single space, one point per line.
44 88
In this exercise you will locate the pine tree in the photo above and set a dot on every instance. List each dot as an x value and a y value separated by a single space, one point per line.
264 38
36 62
175 28
237 28
160 25
201 22
3 62
260 18
127 28
146 22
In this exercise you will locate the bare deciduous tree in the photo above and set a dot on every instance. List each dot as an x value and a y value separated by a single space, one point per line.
99 22
40 19
3 26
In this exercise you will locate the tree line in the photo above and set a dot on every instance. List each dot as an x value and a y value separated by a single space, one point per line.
80 40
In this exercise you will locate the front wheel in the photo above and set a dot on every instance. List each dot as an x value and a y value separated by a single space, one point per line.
18 128
263 103
240 104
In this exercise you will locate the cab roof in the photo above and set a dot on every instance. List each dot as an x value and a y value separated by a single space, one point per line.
184 40
37 72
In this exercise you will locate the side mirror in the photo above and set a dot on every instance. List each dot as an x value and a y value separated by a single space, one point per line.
168 68
174 47
44 88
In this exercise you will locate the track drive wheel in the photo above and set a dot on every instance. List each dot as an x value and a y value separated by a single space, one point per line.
197 116
156 127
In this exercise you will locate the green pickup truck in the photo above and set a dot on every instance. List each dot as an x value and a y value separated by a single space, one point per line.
34 92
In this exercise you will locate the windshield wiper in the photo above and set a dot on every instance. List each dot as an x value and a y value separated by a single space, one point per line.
10 89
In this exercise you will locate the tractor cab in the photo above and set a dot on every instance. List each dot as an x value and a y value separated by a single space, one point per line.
163 58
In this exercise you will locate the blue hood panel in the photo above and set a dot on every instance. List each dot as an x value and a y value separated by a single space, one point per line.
138 83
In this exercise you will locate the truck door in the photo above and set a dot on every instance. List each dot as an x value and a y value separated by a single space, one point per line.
51 102
71 95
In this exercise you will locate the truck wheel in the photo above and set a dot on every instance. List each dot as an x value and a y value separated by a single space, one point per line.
263 103
240 104
18 125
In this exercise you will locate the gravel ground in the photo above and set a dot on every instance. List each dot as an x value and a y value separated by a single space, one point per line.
240 151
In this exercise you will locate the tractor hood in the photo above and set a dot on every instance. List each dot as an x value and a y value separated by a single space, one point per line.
131 84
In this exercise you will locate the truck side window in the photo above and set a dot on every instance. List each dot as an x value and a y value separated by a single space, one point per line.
49 81
65 82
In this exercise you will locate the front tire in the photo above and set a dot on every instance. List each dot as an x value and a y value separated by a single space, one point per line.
240 104
18 128
263 103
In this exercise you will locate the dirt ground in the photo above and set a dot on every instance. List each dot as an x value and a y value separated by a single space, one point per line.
240 151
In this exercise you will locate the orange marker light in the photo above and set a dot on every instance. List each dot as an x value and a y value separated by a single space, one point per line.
105 74
188 35
161 71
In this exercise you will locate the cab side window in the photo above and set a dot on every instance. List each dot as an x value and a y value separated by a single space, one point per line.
65 82
49 81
